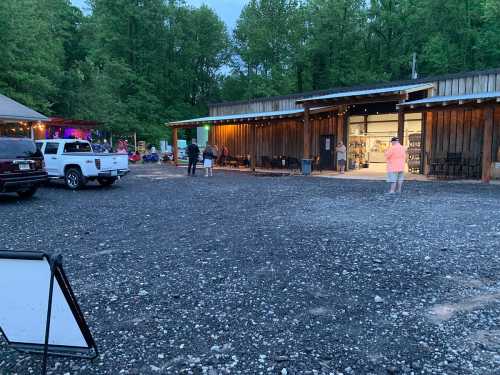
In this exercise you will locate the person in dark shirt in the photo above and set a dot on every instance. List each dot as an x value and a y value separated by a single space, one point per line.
193 153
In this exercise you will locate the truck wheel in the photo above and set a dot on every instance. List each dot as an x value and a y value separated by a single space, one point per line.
26 194
106 181
74 179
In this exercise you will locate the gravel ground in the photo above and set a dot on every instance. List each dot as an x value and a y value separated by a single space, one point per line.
260 275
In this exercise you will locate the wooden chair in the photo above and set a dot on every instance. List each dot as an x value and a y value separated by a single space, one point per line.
266 162
292 163
453 164
437 167
316 164
276 163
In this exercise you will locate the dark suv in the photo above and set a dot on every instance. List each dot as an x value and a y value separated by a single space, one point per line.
22 169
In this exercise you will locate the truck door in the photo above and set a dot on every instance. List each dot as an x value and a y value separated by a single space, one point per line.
52 158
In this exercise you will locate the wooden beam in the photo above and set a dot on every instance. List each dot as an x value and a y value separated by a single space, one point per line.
401 127
253 156
487 144
356 101
307 134
174 145
330 109
451 107
427 151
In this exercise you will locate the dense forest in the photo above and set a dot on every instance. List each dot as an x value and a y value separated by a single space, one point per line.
136 64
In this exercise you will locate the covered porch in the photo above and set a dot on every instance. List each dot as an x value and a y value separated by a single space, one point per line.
461 135
282 139
64 128
453 137
268 140
17 120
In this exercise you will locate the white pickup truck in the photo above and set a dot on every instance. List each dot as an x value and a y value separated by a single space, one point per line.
75 162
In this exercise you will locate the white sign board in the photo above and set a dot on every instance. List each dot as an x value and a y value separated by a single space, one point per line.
24 295
328 144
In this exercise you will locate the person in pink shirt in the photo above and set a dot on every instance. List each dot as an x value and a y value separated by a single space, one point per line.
396 159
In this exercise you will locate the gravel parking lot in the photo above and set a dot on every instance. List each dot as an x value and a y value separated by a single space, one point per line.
263 275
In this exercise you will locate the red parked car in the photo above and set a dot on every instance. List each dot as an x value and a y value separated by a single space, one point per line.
22 169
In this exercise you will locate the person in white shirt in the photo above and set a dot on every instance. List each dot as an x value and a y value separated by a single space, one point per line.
341 156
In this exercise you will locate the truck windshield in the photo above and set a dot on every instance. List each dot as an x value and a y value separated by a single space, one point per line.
18 148
77 147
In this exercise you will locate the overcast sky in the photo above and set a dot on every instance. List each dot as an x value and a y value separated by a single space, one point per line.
228 10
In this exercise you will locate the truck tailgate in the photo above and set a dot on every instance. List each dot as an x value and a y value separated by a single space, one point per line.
111 162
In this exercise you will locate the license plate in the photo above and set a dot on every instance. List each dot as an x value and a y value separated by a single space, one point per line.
24 167
114 173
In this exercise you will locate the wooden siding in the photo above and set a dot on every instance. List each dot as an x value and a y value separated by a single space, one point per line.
264 105
457 131
468 83
496 135
279 138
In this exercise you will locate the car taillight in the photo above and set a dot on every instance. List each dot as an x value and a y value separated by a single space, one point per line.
98 163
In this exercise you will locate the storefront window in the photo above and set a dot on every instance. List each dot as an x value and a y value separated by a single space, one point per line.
14 129
370 138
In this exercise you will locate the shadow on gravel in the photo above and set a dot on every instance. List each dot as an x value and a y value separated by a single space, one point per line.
90 187
14 199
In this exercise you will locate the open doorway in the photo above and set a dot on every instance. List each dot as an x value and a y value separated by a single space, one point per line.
369 136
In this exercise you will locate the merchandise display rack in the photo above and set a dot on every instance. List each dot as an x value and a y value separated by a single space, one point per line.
414 153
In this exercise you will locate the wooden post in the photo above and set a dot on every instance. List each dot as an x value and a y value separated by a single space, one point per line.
253 156
340 134
487 144
174 146
307 134
32 131
427 142
401 127
135 141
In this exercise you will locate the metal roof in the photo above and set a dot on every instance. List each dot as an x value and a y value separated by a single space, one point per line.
370 92
14 111
461 99
72 123
238 117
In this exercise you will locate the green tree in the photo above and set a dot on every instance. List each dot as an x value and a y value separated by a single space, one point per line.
30 69
268 41
153 62
336 49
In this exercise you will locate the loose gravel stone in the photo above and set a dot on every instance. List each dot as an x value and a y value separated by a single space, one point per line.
238 274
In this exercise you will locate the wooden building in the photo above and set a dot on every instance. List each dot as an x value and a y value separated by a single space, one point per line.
58 127
17 120
451 125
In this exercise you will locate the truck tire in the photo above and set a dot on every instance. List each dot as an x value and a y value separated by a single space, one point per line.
26 194
74 179
106 181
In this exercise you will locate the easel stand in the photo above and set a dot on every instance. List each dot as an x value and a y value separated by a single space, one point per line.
57 260
31 267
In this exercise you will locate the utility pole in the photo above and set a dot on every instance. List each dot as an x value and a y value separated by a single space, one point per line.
414 74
